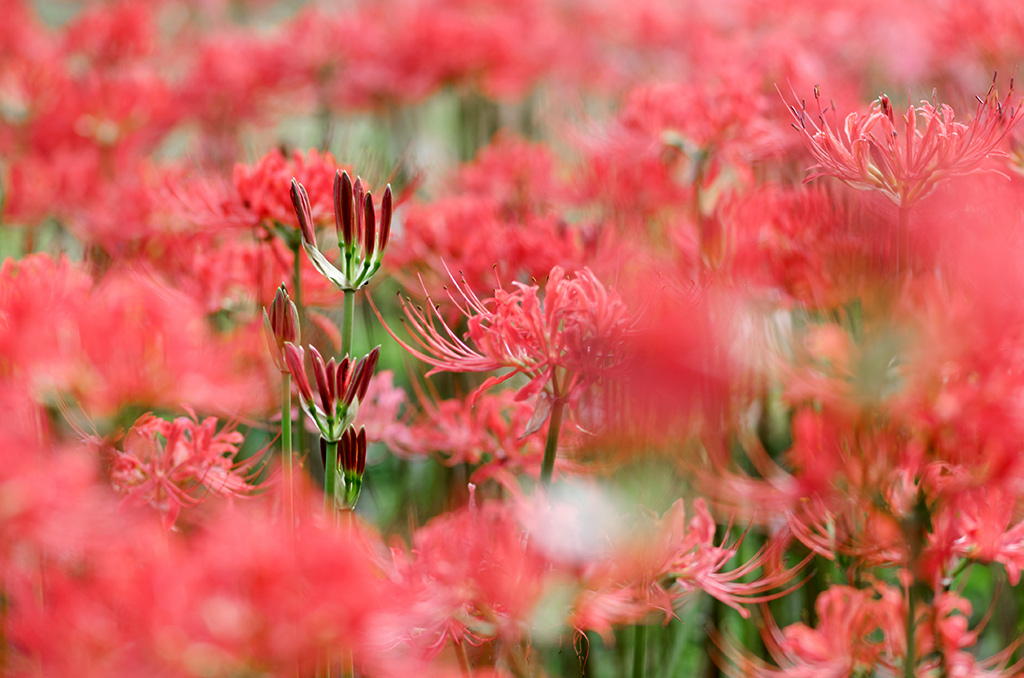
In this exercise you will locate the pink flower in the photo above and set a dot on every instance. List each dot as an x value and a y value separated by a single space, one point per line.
175 464
565 343
871 152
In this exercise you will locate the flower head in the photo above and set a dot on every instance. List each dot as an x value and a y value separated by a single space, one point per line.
175 464
361 238
905 161
564 343
281 326
340 388
352 464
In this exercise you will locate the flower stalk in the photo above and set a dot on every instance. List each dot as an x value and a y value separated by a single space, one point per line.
286 446
330 474
640 651
551 445
281 327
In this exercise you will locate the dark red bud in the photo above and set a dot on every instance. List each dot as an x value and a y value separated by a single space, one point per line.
284 317
351 455
295 358
361 451
332 377
358 191
386 208
343 207
320 374
303 210
369 365
370 223
353 381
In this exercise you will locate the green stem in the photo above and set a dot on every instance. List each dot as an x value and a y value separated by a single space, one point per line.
910 663
347 321
344 519
460 653
301 441
286 446
551 447
640 651
330 476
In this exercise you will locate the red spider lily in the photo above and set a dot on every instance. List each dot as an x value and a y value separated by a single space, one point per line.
487 435
245 589
513 194
469 578
627 572
383 412
565 344
171 465
490 430
263 187
340 389
872 153
863 631
501 243
979 525
281 326
794 246
361 239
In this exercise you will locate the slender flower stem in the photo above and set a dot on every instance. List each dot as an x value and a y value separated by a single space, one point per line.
348 665
460 653
348 321
286 446
640 651
910 662
300 311
551 447
330 477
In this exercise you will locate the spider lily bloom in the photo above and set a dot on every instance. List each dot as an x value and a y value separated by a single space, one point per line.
361 239
906 161
281 326
340 388
564 343
170 465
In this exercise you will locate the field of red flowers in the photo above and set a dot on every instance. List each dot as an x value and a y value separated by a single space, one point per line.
570 338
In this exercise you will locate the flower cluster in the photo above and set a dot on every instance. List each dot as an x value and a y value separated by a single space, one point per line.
170 465
565 343
361 238
872 152
340 385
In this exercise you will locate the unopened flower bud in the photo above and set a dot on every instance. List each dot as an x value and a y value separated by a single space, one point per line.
303 210
281 326
343 208
352 464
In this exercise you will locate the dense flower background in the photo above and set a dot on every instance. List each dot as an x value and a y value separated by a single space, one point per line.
527 338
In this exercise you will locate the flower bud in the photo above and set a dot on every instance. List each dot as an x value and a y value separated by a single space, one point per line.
281 326
352 464
343 208
303 210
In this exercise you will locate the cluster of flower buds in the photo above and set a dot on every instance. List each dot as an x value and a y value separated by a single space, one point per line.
350 468
340 385
361 238
281 326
